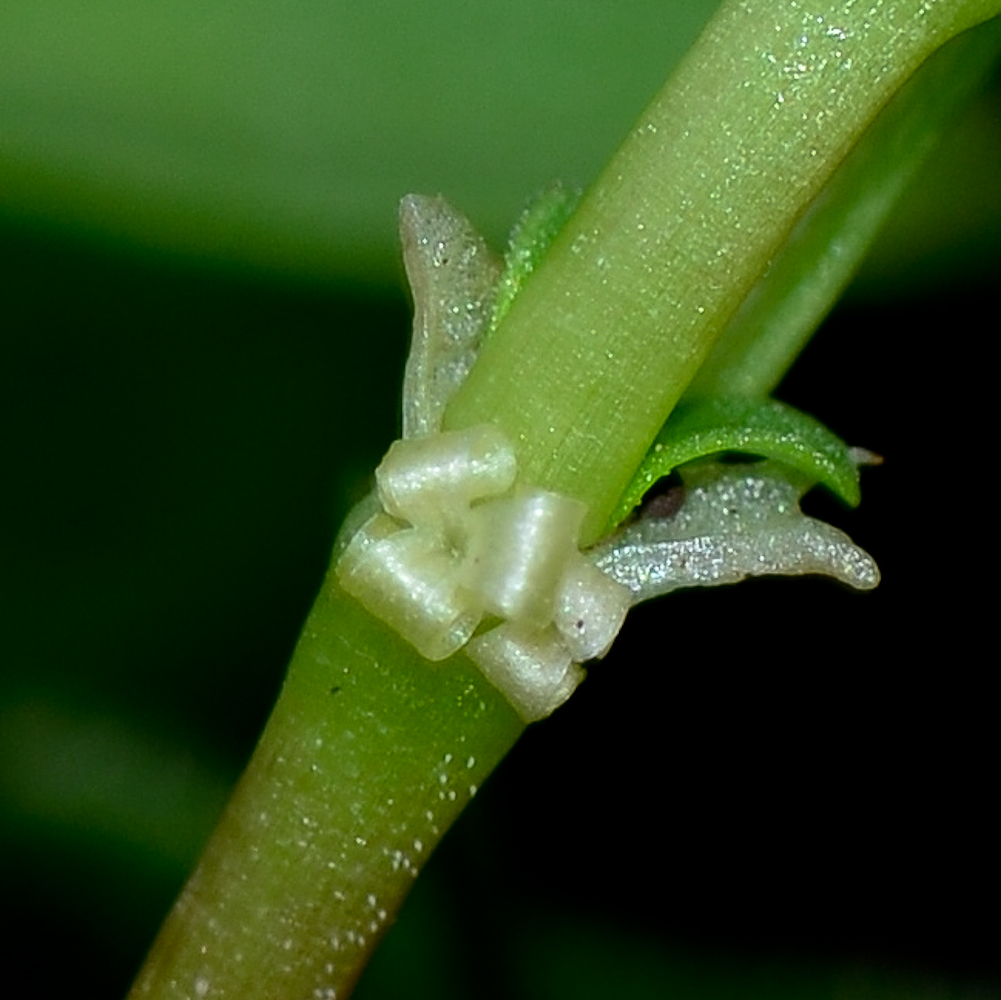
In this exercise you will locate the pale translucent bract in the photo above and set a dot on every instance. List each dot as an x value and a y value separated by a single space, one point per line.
453 276
736 521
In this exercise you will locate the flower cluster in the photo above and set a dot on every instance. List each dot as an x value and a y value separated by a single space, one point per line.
454 554
456 546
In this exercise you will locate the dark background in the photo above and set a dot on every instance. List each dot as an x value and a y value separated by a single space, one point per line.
779 789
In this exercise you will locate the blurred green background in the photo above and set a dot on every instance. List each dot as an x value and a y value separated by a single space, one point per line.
781 789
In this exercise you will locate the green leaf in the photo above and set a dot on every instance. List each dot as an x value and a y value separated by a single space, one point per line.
531 237
752 427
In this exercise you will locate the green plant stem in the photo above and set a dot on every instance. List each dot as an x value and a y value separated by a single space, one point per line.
371 752
369 756
610 330
829 243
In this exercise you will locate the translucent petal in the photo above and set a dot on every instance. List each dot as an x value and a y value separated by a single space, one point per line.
363 535
533 669
590 609
518 550
407 580
434 478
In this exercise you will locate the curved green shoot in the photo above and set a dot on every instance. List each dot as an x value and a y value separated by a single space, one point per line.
829 243
614 325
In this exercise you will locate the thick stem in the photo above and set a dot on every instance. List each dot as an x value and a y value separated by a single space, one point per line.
608 333
830 242
369 756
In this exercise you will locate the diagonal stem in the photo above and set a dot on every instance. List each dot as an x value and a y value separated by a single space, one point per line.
610 331
829 243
